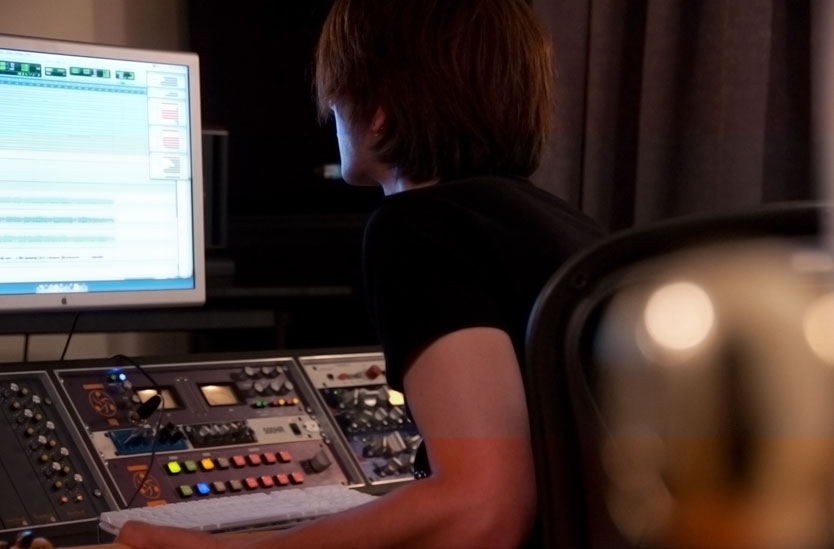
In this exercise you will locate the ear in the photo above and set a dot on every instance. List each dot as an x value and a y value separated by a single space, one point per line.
378 121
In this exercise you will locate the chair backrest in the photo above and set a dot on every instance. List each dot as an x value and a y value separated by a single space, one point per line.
565 422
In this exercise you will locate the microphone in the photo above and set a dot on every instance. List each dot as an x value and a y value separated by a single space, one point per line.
145 409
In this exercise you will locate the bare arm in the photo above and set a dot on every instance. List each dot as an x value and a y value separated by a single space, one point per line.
467 398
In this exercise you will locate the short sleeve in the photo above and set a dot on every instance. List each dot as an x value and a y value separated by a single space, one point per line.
427 273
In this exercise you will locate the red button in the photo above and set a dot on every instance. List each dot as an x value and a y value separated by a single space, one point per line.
267 482
254 459
250 483
282 480
284 456
373 372
296 478
239 461
270 458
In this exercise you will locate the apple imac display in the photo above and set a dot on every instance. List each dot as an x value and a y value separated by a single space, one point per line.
100 177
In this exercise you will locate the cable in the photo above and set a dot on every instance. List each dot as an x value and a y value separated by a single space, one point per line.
158 423
69 335
138 367
155 435
26 347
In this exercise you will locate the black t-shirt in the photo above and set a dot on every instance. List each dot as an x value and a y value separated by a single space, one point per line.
460 254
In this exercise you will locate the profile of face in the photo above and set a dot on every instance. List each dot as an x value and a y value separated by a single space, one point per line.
359 167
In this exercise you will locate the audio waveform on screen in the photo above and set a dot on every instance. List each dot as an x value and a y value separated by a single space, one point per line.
57 220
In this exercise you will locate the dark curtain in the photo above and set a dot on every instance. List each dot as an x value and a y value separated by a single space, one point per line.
670 107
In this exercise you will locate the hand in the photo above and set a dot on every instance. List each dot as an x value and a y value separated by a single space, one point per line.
141 535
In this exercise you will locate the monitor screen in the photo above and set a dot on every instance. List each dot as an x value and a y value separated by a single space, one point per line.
100 176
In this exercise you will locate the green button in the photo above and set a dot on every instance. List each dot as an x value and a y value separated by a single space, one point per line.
190 467
173 468
185 491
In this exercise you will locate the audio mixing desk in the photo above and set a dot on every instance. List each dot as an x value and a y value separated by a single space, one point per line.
83 438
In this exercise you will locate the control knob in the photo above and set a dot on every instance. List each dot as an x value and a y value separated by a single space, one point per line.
37 442
381 416
369 399
394 466
349 398
395 443
243 433
319 462
286 387
204 432
396 414
413 442
74 481
374 372
245 388
24 416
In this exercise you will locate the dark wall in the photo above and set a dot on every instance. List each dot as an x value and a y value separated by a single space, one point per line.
256 65
288 226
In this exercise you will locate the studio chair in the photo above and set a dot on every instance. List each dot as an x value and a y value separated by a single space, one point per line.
570 424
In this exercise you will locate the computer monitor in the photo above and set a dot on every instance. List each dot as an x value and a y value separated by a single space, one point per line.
100 177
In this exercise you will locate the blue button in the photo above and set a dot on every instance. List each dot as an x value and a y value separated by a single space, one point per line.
203 488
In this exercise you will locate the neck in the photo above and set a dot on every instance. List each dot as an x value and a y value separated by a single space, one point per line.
396 185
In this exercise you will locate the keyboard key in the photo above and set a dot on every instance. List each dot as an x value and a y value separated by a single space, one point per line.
219 487
203 489
235 485
270 459
250 483
242 511
282 479
173 468
296 478
207 464
284 456
254 459
222 463
239 461
185 491
266 481
190 466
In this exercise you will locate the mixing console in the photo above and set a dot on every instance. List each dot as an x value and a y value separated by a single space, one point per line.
45 481
82 438
225 427
372 418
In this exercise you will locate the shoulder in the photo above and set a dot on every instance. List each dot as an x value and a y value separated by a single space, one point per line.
426 215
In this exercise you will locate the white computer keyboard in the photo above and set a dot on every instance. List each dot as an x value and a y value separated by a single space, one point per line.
277 509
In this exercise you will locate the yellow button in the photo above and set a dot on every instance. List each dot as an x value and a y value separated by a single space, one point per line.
173 468
207 464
